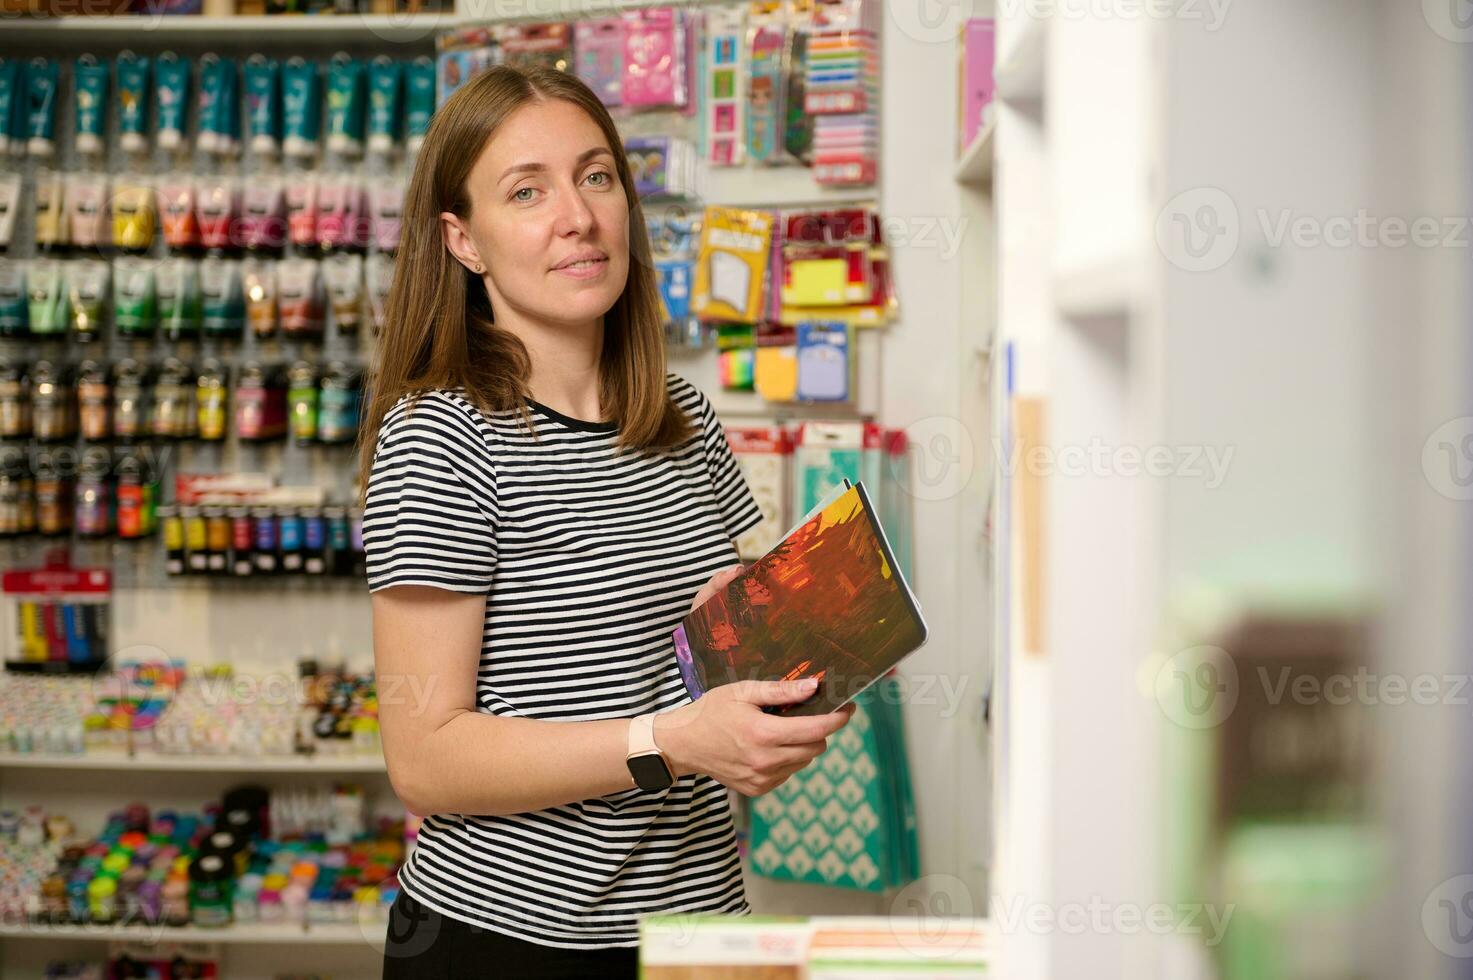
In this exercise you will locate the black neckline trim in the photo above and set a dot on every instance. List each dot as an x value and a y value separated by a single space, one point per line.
573 423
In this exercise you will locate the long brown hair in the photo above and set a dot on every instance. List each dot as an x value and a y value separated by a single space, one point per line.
439 330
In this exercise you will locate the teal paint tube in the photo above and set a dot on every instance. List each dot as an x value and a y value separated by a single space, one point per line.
301 108
210 100
263 104
170 96
419 100
227 109
385 104
89 96
132 102
41 82
345 78
12 81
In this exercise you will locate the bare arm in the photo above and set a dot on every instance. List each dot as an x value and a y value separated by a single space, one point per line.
444 756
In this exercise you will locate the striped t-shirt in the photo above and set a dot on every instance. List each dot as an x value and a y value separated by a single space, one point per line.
588 559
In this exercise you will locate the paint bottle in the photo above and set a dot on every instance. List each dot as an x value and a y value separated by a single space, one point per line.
173 415
242 540
211 397
210 892
339 541
92 517
130 399
302 396
14 321
15 401
265 553
94 401
314 542
289 534
196 540
172 526
52 400
339 407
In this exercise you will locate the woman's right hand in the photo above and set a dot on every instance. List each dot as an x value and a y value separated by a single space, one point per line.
726 734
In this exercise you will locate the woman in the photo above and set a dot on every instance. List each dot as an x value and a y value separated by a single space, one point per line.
543 505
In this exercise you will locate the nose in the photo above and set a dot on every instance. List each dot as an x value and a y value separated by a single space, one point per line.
573 217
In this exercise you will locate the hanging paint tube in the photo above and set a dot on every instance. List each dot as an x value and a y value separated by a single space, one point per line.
419 100
222 296
258 280
46 282
9 207
170 96
133 214
88 283
13 319
386 206
49 226
89 92
385 104
263 216
345 85
135 302
209 97
12 82
176 207
378 276
299 297
226 124
177 288
344 277
216 204
132 102
87 217
339 212
263 104
301 108
301 210
42 80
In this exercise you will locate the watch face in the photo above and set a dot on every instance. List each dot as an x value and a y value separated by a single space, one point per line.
650 772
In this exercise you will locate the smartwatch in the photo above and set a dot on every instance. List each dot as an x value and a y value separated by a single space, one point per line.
647 764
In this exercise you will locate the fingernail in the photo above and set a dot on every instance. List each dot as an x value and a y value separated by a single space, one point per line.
809 683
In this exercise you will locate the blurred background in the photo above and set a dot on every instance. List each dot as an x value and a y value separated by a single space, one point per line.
1145 319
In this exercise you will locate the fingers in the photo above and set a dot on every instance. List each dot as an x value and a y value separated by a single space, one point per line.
800 755
774 692
718 582
798 731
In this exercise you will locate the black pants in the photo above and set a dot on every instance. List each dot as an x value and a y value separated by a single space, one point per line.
425 945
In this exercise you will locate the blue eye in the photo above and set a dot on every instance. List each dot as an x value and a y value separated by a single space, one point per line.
523 190
605 177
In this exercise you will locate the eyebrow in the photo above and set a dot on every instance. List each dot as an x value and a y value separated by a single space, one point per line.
531 168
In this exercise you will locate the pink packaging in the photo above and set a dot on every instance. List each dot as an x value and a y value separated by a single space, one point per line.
339 213
655 51
386 205
262 215
598 53
975 101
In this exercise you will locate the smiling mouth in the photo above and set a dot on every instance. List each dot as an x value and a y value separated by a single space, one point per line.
580 264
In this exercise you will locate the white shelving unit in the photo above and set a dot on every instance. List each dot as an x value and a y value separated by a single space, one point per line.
158 762
160 29
974 168
324 934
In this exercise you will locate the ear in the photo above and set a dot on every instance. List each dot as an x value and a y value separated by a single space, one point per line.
458 240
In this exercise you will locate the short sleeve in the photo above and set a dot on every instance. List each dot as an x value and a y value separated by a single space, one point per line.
428 517
739 510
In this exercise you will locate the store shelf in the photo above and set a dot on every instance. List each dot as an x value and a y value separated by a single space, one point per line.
333 933
1097 289
779 187
157 762
1019 74
335 27
974 168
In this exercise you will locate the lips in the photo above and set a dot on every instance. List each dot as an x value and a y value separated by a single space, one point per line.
581 261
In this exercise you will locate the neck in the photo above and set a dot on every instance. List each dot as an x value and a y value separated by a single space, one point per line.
565 364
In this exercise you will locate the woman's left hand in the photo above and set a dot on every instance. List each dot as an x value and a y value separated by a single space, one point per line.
718 582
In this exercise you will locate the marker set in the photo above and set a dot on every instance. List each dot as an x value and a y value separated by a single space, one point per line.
59 616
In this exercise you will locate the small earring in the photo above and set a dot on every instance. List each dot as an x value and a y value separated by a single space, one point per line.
480 268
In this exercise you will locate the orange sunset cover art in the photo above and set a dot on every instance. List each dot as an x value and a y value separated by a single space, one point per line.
827 602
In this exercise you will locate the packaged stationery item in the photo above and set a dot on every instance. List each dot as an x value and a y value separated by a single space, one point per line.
775 372
598 43
301 108
132 101
10 187
827 603
46 285
89 98
732 264
49 226
217 202
13 319
176 200
725 98
222 300
263 104
464 54
262 226
343 275
385 104
661 165
170 96
547 45
655 58
258 278
42 80
176 284
419 100
87 210
765 456
346 87
824 366
88 287
974 102
135 299
133 214
767 85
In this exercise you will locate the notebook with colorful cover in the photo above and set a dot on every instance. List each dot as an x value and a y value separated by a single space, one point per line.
828 601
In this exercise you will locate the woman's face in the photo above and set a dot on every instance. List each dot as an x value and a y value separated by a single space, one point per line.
549 220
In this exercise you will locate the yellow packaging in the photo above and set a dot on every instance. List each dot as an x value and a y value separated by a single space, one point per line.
732 264
776 373
133 216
